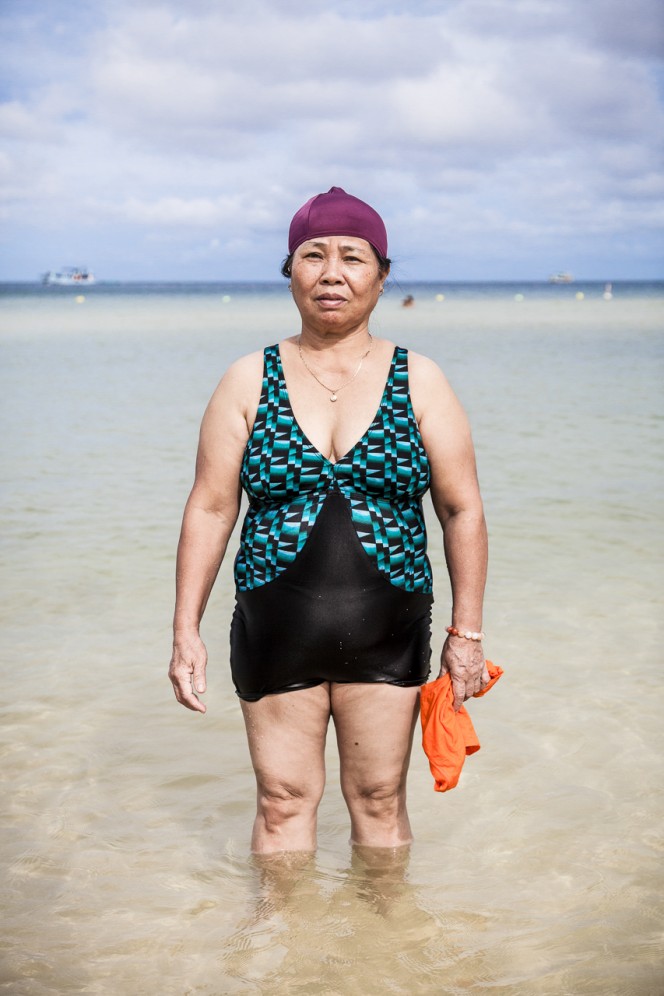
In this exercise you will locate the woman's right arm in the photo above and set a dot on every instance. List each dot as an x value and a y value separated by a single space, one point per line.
209 517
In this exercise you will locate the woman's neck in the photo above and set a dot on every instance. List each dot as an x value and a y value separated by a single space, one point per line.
341 342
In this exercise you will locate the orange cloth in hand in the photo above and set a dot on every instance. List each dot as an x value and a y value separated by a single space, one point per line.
448 736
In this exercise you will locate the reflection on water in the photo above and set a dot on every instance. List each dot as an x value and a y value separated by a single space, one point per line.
321 932
126 820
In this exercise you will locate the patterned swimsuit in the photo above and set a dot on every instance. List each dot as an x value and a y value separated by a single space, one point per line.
332 578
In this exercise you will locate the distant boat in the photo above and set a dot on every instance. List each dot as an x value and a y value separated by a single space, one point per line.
69 276
564 277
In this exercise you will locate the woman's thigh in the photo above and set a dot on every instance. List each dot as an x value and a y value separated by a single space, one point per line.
286 735
374 724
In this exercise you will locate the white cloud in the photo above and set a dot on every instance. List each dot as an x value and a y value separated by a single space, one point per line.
196 212
522 120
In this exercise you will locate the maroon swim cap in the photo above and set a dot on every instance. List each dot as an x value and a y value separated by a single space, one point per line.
337 213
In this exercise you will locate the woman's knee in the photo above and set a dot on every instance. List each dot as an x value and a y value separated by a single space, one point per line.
376 799
280 801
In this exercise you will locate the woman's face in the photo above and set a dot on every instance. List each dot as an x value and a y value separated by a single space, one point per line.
335 282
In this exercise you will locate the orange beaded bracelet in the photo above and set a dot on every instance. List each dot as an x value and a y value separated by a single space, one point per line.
465 634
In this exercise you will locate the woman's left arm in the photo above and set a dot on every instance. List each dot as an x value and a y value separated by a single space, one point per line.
458 505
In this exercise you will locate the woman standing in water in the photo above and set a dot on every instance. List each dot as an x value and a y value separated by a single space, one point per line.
335 436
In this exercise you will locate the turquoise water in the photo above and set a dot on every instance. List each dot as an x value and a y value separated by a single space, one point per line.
126 825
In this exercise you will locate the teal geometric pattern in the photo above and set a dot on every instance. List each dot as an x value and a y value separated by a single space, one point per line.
287 479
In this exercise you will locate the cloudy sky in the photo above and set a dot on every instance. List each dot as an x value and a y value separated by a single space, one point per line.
499 139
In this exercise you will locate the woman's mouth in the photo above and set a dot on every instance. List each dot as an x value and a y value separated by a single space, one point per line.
331 300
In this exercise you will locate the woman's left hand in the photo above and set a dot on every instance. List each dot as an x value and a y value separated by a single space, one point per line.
464 661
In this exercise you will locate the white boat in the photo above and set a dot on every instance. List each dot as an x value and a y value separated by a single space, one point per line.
69 276
564 277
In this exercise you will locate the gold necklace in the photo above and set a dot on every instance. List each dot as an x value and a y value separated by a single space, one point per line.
334 392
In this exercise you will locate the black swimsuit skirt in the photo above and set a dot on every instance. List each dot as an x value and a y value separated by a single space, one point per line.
329 616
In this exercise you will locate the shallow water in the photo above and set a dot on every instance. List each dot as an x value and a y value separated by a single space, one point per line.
126 820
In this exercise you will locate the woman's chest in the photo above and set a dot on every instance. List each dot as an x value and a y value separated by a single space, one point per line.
388 461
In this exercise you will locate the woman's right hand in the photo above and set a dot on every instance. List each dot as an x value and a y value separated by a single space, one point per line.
187 671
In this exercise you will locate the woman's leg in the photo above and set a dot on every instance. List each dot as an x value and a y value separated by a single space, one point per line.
374 724
286 736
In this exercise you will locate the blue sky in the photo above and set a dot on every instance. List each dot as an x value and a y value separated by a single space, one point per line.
499 139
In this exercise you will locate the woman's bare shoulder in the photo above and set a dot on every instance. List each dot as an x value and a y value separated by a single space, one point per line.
431 393
245 368
241 376
425 375
420 364
238 391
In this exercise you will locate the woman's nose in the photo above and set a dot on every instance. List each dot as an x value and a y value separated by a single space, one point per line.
331 270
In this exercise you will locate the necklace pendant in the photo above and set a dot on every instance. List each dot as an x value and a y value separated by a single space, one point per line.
333 397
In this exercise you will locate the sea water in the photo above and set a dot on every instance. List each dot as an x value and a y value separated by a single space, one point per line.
126 819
